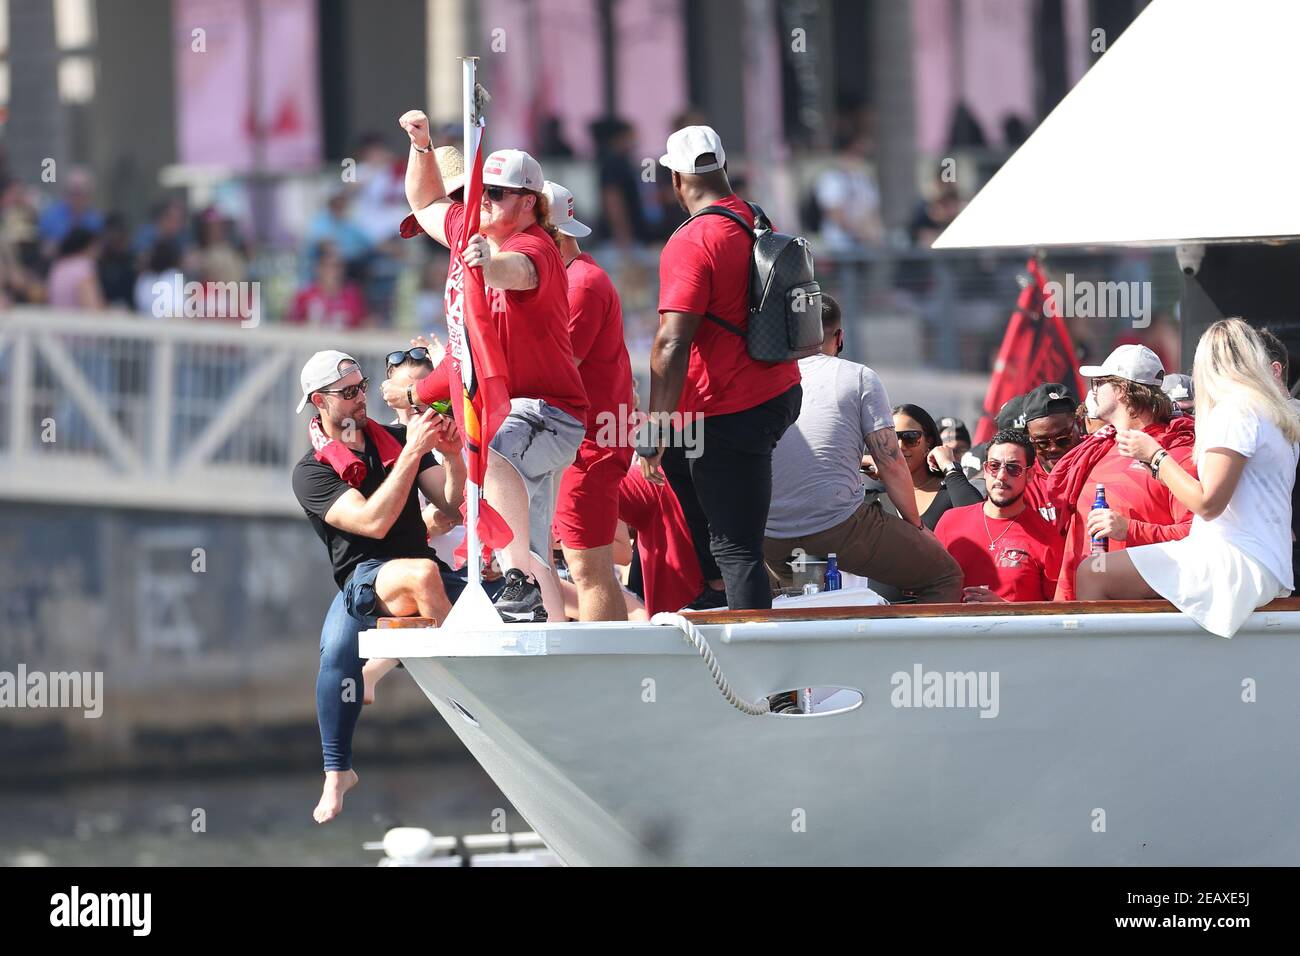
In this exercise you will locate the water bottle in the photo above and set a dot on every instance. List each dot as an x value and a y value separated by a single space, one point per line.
1100 545
832 573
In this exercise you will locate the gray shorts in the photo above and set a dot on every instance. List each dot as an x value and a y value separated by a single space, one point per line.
540 441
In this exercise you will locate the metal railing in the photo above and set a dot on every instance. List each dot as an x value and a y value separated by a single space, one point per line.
111 409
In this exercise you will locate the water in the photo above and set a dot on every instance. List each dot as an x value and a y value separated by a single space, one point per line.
262 820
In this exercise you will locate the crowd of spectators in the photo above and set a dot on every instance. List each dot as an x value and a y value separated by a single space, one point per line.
344 266
71 254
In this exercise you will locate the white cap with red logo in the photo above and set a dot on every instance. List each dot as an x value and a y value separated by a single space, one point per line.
690 143
1137 363
561 203
512 168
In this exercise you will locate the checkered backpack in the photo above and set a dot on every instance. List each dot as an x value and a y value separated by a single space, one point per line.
785 302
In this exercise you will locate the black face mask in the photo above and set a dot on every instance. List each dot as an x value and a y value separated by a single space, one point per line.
840 347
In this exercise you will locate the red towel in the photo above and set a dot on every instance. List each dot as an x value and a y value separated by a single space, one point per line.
1067 479
344 460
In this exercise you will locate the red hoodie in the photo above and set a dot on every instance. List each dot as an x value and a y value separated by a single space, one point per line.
1154 513
1036 492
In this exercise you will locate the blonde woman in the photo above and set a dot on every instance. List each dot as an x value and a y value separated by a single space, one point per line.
1237 556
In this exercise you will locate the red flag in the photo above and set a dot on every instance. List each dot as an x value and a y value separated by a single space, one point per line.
486 395
475 368
1036 349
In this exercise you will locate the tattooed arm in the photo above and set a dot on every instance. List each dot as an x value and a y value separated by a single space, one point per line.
882 446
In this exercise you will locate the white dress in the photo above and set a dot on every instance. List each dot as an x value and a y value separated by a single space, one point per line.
1227 567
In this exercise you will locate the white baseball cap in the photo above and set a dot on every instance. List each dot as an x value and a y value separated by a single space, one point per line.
513 168
561 203
1178 387
690 143
324 369
1137 363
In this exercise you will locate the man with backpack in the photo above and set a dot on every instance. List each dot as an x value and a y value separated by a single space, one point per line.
703 365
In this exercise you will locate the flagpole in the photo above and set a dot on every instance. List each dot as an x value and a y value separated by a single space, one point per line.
473 551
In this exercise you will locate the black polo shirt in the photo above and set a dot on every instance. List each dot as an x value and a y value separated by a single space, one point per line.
318 486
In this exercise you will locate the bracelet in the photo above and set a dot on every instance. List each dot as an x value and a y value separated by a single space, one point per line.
1157 460
411 399
427 149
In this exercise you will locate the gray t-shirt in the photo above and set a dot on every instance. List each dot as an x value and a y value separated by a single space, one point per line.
817 464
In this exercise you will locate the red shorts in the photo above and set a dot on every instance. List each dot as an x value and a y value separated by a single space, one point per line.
586 508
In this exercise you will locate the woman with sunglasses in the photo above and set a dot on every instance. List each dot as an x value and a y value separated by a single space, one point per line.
938 480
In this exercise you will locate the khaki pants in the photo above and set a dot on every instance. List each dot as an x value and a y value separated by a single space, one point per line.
881 547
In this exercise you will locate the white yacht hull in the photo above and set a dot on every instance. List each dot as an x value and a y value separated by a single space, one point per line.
1129 739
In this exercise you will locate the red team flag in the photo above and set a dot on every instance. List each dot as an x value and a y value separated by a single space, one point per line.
1036 349
475 367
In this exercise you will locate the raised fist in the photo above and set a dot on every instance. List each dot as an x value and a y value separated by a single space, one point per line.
416 125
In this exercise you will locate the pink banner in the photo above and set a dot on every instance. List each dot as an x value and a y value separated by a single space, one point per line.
217 121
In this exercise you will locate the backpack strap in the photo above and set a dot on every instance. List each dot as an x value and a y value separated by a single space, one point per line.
716 210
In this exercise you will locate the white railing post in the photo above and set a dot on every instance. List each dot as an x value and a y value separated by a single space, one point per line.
162 404
20 396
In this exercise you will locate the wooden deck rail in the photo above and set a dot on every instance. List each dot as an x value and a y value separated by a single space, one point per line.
890 611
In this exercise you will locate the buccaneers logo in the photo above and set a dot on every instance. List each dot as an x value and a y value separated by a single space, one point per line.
1013 558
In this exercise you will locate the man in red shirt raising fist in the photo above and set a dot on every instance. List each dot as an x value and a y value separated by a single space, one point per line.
1006 549
586 516
528 295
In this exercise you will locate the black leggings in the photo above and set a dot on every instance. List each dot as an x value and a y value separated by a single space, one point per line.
725 493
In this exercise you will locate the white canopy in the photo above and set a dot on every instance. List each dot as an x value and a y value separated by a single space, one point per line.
1186 129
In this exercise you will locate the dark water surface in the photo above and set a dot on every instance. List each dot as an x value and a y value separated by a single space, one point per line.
260 820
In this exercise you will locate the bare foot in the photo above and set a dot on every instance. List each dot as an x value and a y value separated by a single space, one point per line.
337 783
372 672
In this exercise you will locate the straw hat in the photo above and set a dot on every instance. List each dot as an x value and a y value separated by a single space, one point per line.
451 164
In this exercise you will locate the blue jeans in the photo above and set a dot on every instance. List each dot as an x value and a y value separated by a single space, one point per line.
339 685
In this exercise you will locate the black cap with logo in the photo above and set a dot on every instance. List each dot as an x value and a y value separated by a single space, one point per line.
1051 398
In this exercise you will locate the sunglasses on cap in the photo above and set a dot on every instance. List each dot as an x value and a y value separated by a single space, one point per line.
348 393
498 193
910 437
419 354
1013 469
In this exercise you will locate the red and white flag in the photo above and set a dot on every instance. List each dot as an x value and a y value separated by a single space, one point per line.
478 366
1036 349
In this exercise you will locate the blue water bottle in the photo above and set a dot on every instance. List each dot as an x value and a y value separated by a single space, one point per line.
1100 545
833 582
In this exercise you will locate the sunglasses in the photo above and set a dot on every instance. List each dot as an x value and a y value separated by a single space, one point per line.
498 193
349 393
415 355
1013 469
910 437
1063 440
